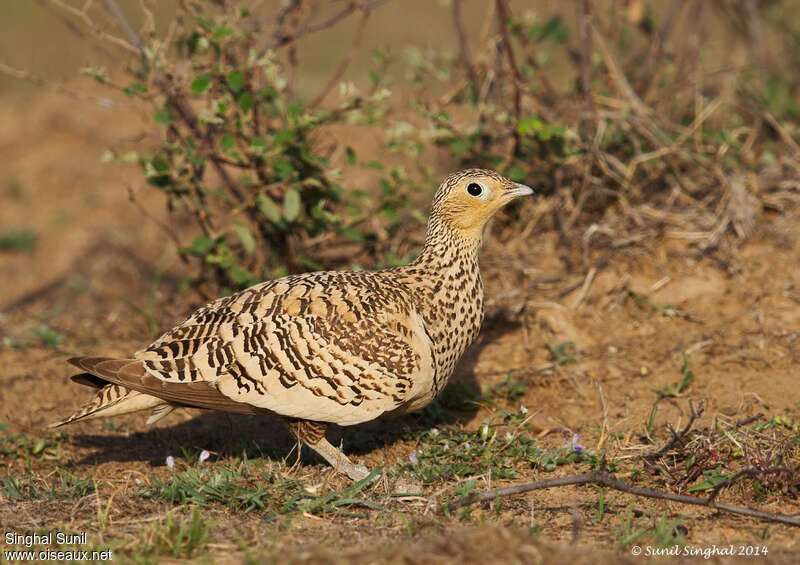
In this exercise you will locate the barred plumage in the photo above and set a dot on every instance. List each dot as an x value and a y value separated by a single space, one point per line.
325 347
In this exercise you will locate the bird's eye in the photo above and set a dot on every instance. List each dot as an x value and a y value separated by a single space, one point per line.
474 189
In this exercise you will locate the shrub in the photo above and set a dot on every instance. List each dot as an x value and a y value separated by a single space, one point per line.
247 159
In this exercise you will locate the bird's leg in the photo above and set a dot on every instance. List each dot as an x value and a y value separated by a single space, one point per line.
313 435
339 460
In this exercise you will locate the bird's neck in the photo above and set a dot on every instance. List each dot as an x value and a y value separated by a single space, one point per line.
448 289
444 244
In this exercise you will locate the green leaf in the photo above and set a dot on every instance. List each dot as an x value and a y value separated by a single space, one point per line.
221 32
553 29
529 126
352 234
283 169
135 88
350 155
284 136
236 80
18 240
200 245
291 205
97 73
268 207
201 83
38 447
246 101
246 238
163 117
49 337
241 276
258 145
711 480
515 173
227 142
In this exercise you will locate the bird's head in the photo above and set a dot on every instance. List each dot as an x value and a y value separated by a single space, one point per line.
468 199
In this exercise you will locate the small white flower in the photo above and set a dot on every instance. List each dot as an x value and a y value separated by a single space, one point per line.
203 456
484 432
170 461
523 409
413 458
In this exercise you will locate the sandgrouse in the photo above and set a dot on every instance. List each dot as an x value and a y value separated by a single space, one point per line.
325 347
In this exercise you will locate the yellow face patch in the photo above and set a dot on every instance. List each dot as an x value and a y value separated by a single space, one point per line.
472 199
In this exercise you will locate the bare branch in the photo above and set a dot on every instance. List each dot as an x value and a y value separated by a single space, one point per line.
325 24
503 17
348 58
677 438
84 17
610 481
122 20
585 27
463 48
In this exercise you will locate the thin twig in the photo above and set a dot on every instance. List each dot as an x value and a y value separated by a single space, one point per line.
678 437
340 70
119 15
102 34
503 18
463 48
166 228
608 480
503 21
585 27
313 28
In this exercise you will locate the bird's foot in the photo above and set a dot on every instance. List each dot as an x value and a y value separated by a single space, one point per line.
339 460
355 471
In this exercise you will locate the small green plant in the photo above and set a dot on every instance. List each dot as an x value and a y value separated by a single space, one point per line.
33 487
334 502
23 240
510 389
20 444
231 486
176 535
711 478
48 336
663 532
670 391
674 390
446 454
562 353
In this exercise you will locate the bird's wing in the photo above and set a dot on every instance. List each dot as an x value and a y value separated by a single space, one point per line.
331 347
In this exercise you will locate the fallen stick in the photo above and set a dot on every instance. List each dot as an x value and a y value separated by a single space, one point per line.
610 481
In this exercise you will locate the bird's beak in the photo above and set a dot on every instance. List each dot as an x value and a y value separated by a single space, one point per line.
519 190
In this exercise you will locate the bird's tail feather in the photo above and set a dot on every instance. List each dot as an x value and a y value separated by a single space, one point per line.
111 399
114 400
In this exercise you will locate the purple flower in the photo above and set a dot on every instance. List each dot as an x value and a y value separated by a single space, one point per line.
576 446
170 461
413 458
203 456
